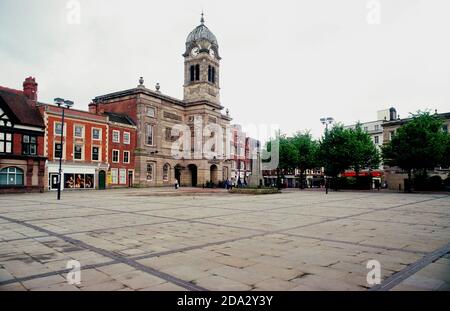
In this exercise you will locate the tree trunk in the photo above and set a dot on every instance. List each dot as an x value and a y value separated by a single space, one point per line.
409 180
301 178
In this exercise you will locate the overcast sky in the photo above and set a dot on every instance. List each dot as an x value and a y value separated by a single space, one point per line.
286 62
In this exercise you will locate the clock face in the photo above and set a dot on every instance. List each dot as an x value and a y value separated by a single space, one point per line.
212 53
195 51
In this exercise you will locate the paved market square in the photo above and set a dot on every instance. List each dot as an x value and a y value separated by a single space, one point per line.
159 239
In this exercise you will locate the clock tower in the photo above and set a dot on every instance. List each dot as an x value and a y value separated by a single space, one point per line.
201 66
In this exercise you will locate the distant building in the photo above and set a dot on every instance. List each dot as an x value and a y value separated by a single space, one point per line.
245 156
121 148
394 176
375 131
156 115
22 129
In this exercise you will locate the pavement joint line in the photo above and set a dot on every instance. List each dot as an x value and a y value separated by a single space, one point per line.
52 273
262 233
402 223
151 270
411 269
110 255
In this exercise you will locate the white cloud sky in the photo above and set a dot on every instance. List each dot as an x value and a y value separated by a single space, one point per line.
286 62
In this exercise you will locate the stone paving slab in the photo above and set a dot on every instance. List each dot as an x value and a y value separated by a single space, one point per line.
159 239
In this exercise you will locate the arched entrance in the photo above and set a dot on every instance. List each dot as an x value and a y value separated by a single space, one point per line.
193 172
214 174
178 173
102 180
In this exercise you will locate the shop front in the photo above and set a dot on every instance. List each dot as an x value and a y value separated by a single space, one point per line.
74 177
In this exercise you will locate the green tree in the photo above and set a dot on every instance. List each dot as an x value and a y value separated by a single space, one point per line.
418 146
335 151
306 149
365 154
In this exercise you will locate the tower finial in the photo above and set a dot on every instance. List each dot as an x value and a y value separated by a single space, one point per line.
202 20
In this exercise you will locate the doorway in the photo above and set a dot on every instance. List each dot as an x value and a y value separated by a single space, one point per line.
193 172
102 180
54 181
130 179
178 174
214 174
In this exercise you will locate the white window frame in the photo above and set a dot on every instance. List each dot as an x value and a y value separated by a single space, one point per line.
128 141
122 177
63 151
75 130
54 128
114 176
100 133
118 136
128 152
118 156
153 171
151 109
82 152
147 126
99 153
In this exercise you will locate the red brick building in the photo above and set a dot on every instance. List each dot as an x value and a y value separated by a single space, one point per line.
84 152
121 148
22 159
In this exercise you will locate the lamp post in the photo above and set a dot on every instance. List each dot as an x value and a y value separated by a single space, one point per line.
326 121
64 103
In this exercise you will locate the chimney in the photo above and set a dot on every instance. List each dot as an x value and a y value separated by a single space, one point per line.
93 107
30 88
392 114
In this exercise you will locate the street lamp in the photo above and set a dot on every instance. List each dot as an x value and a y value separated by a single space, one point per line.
62 103
326 121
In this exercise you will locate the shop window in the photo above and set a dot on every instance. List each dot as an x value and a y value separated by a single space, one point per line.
114 176
5 142
115 156
123 176
126 157
29 145
11 176
78 181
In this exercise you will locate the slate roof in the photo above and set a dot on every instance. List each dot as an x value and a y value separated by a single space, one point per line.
120 118
17 104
